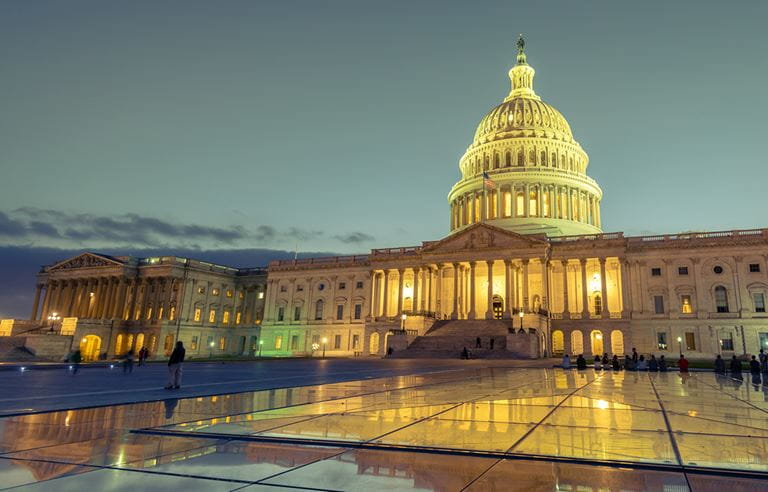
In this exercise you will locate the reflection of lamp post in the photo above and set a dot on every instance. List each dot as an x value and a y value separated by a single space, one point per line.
211 345
53 318
402 321
521 319
680 344
325 341
261 342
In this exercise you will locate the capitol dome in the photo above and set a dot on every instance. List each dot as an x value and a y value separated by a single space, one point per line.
524 171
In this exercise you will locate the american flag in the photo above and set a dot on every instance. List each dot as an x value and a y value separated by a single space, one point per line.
488 182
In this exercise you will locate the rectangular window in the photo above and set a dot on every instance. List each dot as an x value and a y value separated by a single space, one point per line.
212 316
299 288
690 341
685 304
656 272
658 304
763 340
337 342
340 312
759 300
229 293
661 341
278 342
355 342
280 313
726 342
682 270
222 343
198 314
240 294
215 292
193 344
359 285
225 318
358 311
296 313
520 204
342 285
754 267
237 318
295 342
210 342
507 204
283 288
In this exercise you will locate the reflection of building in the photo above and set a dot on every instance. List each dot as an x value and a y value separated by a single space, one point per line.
526 237
124 303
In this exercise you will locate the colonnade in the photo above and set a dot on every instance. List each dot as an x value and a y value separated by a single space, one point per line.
526 200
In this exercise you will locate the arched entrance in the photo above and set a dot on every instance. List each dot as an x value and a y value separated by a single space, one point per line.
617 342
596 341
139 341
577 342
558 342
119 345
90 348
498 307
374 344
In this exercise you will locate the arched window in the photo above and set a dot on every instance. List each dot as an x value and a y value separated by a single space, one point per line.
140 341
168 345
577 342
596 339
721 299
554 160
532 158
543 158
119 345
485 162
319 309
558 342
496 161
533 204
520 158
509 159
562 161
617 342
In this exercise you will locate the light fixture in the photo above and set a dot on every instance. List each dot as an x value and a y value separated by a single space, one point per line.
599 336
521 313
679 339
403 316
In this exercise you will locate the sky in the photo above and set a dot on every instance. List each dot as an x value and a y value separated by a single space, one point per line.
245 130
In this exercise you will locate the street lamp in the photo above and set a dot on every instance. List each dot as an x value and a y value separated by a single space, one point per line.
680 344
325 341
521 319
53 318
212 344
261 342
402 321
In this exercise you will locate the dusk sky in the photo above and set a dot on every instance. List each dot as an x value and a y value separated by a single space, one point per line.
224 130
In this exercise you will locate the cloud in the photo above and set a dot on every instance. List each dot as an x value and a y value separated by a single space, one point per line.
354 238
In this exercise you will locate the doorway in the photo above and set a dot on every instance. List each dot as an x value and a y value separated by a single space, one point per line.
498 307
90 347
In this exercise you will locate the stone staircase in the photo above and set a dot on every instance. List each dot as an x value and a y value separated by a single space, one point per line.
447 338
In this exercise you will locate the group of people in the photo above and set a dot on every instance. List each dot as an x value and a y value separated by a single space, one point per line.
635 362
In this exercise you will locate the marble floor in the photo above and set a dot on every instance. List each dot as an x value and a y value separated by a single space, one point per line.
476 428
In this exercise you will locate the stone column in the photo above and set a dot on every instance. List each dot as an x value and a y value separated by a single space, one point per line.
36 302
73 299
103 298
439 307
472 314
429 289
604 289
455 312
525 306
566 309
119 311
85 299
372 297
489 307
625 296
544 284
401 278
385 300
513 192
539 200
507 289
527 200
415 297
55 290
584 294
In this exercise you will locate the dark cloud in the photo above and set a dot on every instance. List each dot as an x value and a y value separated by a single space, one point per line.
354 238
10 227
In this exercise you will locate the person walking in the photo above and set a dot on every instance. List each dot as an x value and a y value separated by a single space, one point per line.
174 366
464 353
754 368
128 362
581 362
662 364
682 364
76 359
653 364
736 368
719 365
615 364
143 354
566 362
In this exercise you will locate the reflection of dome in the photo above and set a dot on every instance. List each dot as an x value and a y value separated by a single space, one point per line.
536 171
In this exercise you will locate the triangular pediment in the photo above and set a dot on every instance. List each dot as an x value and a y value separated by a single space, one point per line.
85 260
484 236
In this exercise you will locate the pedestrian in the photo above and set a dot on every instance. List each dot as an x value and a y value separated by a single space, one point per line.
662 364
143 354
641 364
174 366
477 343
598 363
754 366
566 362
128 362
719 365
682 364
581 362
464 353
653 364
491 343
763 361
736 368
76 359
615 364
605 361
634 355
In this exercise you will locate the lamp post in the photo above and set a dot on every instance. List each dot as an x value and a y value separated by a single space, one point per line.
680 344
521 319
325 341
402 321
53 318
261 342
211 345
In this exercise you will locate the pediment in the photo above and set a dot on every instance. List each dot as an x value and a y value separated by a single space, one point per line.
483 236
85 260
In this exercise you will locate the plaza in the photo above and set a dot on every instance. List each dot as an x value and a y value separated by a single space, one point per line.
398 425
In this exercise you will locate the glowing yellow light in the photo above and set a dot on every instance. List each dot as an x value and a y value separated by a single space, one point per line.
594 285
599 336
602 404
692 413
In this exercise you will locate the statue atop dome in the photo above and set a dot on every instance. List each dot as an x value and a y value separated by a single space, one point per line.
521 50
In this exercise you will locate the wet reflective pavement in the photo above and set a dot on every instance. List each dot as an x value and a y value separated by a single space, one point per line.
469 429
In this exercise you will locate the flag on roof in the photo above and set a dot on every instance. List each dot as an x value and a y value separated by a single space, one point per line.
488 182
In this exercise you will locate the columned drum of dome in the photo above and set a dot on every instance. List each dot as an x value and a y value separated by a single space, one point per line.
524 171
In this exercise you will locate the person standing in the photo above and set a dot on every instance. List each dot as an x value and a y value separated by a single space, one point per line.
653 364
76 359
662 364
763 361
128 362
736 368
634 355
719 365
174 366
682 364
754 369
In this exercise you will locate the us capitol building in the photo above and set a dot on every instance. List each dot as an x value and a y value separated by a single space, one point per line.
526 269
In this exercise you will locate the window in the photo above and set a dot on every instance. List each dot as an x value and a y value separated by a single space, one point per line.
321 286
682 270
300 288
149 312
230 293
721 299
201 290
237 318
160 312
296 313
283 288
355 342
337 342
295 342
358 311
520 204
533 203
280 313
685 304
759 300
726 342
319 309
225 318
193 344
718 269
316 340
222 343
598 304
209 343
241 295
690 341
172 314
656 272
658 304
215 292
137 314
340 312
212 316
342 285
198 314
359 285
278 342
661 341
754 267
